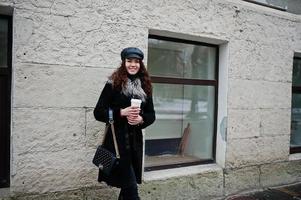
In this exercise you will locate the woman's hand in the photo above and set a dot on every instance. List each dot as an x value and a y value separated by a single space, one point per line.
130 111
132 115
135 120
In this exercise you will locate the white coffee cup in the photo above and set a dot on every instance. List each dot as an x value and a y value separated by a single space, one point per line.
136 102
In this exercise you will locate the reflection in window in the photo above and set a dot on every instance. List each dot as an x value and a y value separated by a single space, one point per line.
173 59
184 88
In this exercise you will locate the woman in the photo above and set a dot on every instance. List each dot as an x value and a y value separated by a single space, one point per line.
130 80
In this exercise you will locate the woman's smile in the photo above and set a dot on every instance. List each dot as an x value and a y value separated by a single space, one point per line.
132 65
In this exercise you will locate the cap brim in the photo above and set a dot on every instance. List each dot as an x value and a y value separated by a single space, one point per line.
133 56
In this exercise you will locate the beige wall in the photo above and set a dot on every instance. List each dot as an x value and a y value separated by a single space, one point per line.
64 51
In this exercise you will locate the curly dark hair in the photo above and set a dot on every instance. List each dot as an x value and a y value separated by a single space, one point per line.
120 77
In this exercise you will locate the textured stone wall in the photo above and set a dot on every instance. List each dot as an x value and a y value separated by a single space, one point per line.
64 51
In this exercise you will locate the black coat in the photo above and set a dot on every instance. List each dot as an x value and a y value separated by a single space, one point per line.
129 138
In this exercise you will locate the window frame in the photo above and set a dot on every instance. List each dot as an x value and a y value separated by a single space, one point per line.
190 81
295 90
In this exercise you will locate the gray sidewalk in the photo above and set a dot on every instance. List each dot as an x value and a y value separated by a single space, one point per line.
292 192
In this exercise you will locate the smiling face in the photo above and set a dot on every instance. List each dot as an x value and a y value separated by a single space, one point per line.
132 65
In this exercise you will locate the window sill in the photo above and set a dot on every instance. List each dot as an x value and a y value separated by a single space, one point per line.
181 171
295 156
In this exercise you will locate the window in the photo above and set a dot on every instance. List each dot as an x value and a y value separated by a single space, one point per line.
291 6
296 108
184 77
277 4
5 97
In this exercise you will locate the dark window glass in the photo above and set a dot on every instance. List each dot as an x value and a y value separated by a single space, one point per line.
5 98
3 42
297 72
296 108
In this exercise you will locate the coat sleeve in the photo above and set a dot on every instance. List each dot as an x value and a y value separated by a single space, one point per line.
148 114
101 110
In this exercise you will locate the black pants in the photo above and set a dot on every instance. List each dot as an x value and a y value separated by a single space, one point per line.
130 191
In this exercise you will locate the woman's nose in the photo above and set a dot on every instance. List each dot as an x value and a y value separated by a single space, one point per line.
133 64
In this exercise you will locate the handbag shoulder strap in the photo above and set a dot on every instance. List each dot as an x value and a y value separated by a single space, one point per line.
115 141
105 133
111 123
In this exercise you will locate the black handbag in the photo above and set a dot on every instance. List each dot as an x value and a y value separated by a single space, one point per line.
103 158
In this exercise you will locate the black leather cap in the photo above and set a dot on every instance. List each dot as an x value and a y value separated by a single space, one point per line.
131 52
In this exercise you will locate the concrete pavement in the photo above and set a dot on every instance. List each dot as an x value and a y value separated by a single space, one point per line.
292 192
